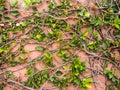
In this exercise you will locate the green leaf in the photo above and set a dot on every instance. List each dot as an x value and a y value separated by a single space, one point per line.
59 73
110 76
52 5
82 11
104 46
87 14
54 25
13 63
96 21
1 50
88 86
30 71
106 71
46 76
111 87
86 82
84 88
51 79
37 15
48 59
38 36
13 3
95 35
7 18
39 48
24 23
105 4
89 80
37 79
89 29
9 75
14 13
61 53
77 67
26 3
48 55
117 23
77 81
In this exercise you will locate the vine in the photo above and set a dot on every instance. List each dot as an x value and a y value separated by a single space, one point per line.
99 40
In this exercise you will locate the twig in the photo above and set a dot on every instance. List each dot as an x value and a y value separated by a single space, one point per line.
12 81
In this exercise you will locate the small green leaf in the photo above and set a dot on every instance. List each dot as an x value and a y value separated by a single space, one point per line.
89 80
59 73
24 23
95 35
61 53
39 48
104 46
65 67
7 18
53 25
46 76
9 75
77 81
84 88
37 14
86 82
87 14
38 36
1 50
110 76
82 11
26 3
14 13
88 86
13 63
117 23
51 79
106 71
13 3
30 71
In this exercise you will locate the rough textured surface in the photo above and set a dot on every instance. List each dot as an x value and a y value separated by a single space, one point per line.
21 76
